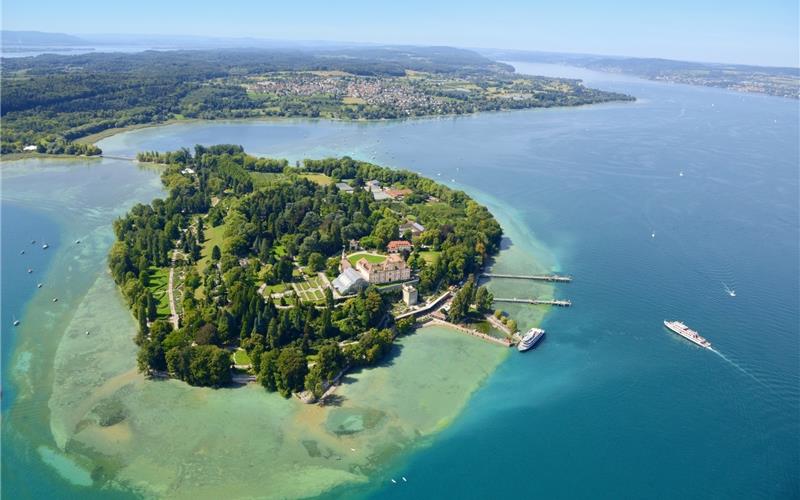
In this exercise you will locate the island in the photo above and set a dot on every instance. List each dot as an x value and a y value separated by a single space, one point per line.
255 269
56 104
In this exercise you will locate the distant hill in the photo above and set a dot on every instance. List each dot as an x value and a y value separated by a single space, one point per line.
777 81
38 39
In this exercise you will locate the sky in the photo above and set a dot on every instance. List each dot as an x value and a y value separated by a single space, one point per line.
763 32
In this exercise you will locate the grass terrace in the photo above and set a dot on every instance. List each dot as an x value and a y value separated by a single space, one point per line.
372 258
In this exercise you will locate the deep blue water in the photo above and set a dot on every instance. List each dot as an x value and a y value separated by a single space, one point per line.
610 404
18 286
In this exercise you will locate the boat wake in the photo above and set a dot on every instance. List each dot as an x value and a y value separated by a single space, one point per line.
741 369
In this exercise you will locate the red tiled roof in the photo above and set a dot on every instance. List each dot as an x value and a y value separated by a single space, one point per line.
393 245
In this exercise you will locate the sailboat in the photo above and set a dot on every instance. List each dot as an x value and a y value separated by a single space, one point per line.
729 291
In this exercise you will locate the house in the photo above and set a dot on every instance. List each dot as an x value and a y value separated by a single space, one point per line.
344 187
355 245
380 195
30 147
394 268
398 194
188 171
372 186
397 246
350 281
410 295
414 227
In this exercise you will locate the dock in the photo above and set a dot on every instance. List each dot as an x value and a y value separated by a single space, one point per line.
545 302
535 277
115 157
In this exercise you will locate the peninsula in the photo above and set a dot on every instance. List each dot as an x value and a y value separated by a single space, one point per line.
55 104
253 268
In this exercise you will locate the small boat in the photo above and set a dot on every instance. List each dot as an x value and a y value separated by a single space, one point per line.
404 479
55 299
652 235
530 339
77 242
16 322
87 332
22 252
680 174
393 481
33 242
38 285
30 270
729 291
45 246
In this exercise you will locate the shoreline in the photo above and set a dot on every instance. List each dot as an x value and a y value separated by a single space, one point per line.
63 437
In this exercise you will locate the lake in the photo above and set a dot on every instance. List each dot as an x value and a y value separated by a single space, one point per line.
657 208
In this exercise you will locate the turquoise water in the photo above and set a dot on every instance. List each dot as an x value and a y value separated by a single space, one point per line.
610 404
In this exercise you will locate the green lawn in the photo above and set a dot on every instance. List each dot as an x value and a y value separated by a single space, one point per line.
261 179
371 258
280 287
430 256
213 237
240 357
321 179
159 278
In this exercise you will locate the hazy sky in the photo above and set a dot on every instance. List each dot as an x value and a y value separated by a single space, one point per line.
751 31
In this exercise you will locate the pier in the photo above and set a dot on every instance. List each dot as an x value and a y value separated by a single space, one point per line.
545 302
114 157
534 277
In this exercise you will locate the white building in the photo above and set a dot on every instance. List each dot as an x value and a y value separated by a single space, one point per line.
410 295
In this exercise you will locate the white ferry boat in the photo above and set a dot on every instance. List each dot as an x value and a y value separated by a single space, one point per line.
530 339
687 333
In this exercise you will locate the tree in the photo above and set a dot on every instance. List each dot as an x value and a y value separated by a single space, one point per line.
483 300
316 261
315 382
268 371
216 253
292 369
330 361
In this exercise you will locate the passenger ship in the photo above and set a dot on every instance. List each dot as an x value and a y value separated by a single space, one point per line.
687 333
530 339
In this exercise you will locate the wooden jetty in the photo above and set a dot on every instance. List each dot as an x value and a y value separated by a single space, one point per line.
535 277
546 302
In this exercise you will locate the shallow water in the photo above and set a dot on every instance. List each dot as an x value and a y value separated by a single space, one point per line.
609 404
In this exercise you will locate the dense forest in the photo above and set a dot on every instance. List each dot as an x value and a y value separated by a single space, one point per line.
50 101
232 238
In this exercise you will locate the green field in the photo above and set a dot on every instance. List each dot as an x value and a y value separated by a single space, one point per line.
240 357
371 258
321 179
261 179
279 288
159 278
213 237
430 256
